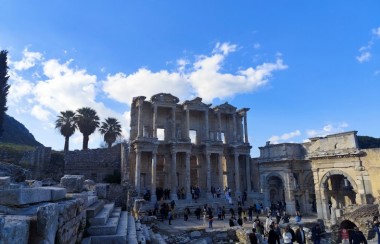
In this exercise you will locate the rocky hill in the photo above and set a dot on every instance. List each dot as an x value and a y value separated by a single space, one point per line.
17 133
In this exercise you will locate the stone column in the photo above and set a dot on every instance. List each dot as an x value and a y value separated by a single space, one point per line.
208 176
220 126
220 169
174 122
234 127
167 169
154 120
139 124
248 172
154 177
173 188
187 178
187 123
237 175
137 171
206 125
245 129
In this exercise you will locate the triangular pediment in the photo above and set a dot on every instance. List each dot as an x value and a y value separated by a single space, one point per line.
164 98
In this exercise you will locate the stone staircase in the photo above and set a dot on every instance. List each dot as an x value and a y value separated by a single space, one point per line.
106 223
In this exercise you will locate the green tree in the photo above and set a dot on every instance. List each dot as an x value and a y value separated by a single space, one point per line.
66 124
87 121
110 129
4 87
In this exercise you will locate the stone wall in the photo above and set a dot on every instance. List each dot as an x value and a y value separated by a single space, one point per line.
94 164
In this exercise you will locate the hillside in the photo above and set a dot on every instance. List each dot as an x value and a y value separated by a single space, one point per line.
17 133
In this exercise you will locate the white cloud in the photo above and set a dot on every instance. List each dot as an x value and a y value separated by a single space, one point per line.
284 137
327 129
376 32
40 113
364 57
204 75
28 60
256 45
19 88
365 51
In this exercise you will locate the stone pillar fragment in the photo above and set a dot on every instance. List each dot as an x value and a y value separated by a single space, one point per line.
187 178
174 124
219 126
206 126
173 188
234 127
245 129
187 124
237 175
208 175
154 120
248 172
154 177
220 169
137 171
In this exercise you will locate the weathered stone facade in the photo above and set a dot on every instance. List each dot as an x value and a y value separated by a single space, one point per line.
331 172
177 146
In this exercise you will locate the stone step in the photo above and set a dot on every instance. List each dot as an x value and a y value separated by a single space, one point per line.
119 237
91 200
116 212
86 240
131 230
102 217
94 209
109 228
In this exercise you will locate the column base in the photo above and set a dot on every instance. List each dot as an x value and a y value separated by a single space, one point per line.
208 195
188 196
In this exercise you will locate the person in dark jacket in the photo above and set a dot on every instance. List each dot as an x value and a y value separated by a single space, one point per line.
253 237
300 235
357 237
316 234
273 237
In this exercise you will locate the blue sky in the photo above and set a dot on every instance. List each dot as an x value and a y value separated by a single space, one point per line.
305 68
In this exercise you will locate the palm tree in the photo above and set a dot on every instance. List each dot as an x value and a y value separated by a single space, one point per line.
87 121
111 129
66 125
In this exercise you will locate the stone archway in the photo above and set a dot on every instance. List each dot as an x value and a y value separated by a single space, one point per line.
275 188
337 190
309 197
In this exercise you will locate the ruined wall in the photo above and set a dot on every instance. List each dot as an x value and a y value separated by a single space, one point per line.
371 162
94 164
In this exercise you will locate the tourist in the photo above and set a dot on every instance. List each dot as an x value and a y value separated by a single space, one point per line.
186 214
240 211
285 218
357 237
292 233
250 213
278 216
252 237
240 221
298 207
300 235
316 234
223 213
277 229
170 217
239 201
298 217
287 236
273 238
210 219
268 223
232 212
198 213
231 222
219 212
376 228
344 233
